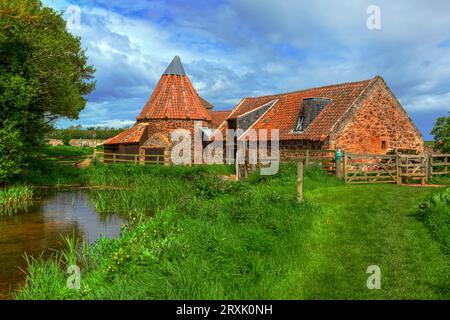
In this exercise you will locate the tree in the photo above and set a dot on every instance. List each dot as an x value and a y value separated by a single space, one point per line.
11 152
441 133
44 73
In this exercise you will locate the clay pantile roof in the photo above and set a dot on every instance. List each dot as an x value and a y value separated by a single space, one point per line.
206 104
130 136
174 97
284 113
218 117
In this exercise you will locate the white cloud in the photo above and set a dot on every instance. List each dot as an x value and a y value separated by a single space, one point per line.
428 103
251 47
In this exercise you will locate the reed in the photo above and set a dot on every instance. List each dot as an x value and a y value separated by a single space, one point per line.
15 198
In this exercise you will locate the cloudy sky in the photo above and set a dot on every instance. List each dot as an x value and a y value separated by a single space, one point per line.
237 48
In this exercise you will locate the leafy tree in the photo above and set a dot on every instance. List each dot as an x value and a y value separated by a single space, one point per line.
11 152
66 137
44 73
441 134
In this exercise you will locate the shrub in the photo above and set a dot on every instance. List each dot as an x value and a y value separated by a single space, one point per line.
435 213
210 186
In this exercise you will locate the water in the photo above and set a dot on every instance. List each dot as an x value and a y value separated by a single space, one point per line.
41 227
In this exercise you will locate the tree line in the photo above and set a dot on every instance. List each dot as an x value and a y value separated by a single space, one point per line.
78 132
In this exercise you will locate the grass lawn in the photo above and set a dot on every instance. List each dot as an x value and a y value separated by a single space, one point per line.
214 239
371 225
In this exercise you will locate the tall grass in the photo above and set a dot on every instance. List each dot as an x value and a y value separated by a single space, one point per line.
435 213
237 241
15 198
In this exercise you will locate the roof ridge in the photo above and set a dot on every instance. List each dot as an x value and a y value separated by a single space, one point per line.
313 88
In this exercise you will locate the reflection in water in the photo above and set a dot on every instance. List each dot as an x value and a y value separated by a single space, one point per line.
40 228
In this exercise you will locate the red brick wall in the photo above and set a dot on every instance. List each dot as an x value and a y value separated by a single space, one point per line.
379 122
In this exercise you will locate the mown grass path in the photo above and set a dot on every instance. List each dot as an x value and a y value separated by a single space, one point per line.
370 225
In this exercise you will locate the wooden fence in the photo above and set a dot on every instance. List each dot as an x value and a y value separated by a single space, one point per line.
128 158
398 168
354 168
369 168
318 156
438 164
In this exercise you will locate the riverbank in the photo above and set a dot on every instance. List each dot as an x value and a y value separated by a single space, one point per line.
215 239
13 198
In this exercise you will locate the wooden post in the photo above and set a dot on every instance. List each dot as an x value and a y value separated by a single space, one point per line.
237 167
337 163
397 164
446 164
135 159
114 157
307 158
338 169
423 169
430 165
345 165
300 181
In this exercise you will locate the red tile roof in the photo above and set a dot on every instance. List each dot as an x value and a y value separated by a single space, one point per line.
218 117
130 136
174 98
283 114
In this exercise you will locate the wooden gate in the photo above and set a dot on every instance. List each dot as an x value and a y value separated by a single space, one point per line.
412 168
370 168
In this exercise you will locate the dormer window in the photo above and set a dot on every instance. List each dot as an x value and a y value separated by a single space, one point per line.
310 108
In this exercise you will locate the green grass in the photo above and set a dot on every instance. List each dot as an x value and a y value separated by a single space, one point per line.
214 239
372 225
64 151
14 198
435 213
440 179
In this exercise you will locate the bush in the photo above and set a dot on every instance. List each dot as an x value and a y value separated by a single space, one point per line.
11 153
435 213
66 137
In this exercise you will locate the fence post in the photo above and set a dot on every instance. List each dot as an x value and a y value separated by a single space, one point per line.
114 158
338 163
430 165
345 166
307 158
397 164
300 181
423 170
135 159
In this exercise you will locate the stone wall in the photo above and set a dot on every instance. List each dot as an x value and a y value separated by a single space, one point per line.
379 124
159 135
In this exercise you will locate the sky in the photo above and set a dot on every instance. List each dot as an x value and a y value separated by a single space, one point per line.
237 48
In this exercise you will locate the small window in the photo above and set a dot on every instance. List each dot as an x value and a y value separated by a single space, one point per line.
300 122
383 145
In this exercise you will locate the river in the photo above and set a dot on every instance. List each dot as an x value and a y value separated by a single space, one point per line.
40 226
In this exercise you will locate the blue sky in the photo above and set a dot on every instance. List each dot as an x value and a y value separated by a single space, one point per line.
236 48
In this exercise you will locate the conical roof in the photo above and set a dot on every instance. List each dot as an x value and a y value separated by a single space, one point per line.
174 97
175 67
